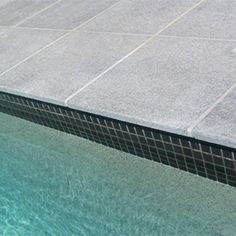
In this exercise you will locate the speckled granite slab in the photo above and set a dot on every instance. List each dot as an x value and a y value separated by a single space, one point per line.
169 65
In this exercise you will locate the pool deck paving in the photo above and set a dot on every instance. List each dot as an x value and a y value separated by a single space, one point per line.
164 64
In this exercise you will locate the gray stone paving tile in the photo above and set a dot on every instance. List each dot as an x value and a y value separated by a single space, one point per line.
13 11
17 44
68 65
212 19
69 14
2 29
167 84
220 125
142 16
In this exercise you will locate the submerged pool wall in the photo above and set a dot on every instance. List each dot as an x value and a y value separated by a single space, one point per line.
202 158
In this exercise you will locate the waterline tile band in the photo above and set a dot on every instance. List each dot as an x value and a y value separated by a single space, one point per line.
195 156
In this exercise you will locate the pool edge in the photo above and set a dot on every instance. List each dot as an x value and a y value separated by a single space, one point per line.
199 157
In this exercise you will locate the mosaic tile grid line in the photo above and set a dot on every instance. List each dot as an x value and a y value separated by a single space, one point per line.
204 159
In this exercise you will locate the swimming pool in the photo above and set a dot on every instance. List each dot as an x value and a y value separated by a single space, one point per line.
53 183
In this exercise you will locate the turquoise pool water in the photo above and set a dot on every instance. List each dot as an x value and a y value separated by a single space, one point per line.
53 183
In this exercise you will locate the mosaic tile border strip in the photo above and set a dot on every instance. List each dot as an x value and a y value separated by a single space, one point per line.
205 159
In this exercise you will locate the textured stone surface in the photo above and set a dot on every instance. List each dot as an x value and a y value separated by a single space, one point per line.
14 11
68 65
168 84
17 44
220 125
212 19
142 16
69 14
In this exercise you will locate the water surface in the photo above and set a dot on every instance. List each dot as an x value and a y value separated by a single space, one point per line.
52 183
